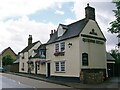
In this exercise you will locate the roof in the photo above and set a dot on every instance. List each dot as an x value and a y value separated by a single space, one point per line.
72 30
109 57
26 49
41 47
118 36
7 49
119 44
17 61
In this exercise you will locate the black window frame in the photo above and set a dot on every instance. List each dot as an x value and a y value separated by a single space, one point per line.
84 59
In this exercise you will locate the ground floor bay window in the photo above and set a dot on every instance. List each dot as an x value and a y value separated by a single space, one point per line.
60 66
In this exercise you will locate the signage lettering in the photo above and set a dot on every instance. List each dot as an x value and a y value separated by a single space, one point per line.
92 41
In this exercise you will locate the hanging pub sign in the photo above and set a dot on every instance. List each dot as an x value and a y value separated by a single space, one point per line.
92 41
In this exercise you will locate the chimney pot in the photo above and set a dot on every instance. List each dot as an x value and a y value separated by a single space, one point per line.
51 31
54 30
30 40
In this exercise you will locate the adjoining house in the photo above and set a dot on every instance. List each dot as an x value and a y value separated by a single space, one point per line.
7 52
26 53
77 50
15 66
110 65
38 61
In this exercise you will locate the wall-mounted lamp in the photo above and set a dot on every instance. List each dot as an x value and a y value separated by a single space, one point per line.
69 44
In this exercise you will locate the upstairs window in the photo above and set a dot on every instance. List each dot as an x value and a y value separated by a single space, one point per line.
62 45
42 53
56 47
85 59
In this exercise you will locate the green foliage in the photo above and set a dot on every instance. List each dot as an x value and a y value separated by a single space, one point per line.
7 60
115 25
116 55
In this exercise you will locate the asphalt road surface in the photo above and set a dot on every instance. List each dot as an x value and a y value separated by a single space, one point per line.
14 81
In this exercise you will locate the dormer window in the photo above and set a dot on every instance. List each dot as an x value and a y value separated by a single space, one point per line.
42 54
61 29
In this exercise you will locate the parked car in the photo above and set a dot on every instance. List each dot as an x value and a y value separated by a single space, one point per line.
2 69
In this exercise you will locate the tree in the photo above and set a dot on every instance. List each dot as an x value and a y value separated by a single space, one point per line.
115 54
115 25
7 60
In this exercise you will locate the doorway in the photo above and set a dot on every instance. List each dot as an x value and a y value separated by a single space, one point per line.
36 68
48 69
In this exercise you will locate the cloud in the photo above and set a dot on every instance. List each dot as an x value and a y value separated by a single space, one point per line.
15 32
10 8
59 12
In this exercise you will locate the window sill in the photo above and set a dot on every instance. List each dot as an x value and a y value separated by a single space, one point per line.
60 72
59 53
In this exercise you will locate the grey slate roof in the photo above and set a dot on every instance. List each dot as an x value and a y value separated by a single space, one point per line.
118 36
109 57
72 30
17 61
29 47
119 44
41 47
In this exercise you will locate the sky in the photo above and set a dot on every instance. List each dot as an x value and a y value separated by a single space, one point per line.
21 18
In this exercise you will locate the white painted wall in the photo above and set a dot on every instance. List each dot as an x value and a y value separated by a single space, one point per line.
71 58
26 54
96 52
42 69
73 55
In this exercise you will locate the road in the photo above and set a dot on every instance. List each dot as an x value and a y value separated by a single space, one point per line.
11 83
14 81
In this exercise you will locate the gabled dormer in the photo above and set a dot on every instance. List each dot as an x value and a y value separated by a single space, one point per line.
61 29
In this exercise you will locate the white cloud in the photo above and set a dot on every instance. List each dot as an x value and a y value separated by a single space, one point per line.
59 12
69 21
12 8
15 32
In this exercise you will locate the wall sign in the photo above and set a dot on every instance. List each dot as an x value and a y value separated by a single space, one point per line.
93 32
92 41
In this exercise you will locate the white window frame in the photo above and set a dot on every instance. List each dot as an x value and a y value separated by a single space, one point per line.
59 49
61 46
60 66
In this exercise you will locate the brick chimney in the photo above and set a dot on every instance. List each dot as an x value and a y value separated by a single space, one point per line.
30 40
89 12
51 33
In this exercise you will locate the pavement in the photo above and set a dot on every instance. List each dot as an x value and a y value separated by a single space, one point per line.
110 83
